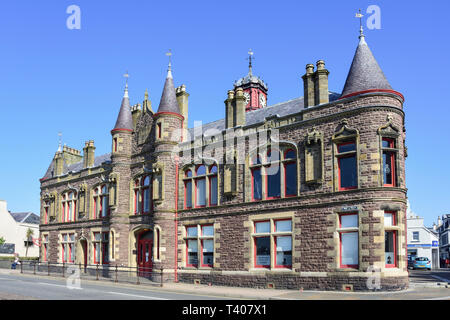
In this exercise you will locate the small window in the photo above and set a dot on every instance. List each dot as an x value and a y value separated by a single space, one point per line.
389 159
191 231
283 225
262 227
416 236
207 230
349 240
389 219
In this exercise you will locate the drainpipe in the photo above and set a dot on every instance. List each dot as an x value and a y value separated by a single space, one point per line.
176 219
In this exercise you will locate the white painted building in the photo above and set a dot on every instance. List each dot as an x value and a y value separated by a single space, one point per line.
422 241
13 228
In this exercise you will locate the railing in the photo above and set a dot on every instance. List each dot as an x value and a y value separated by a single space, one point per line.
136 275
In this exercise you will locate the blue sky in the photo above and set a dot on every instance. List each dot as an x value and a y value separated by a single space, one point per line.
55 79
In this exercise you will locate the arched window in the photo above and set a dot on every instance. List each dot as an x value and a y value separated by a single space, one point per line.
290 173
213 185
142 200
276 175
101 202
273 174
69 206
204 180
256 178
200 186
188 190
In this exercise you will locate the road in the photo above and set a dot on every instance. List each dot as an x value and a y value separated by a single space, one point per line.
17 287
425 276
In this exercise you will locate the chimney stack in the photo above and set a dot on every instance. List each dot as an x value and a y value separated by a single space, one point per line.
315 84
229 110
89 154
308 86
182 99
240 107
321 83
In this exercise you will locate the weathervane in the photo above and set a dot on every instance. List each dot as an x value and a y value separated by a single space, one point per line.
169 54
360 16
250 57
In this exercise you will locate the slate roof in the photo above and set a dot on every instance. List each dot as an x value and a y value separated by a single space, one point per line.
124 119
365 73
169 101
25 217
77 166
258 116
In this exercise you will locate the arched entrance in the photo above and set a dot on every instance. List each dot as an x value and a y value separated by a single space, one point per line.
144 253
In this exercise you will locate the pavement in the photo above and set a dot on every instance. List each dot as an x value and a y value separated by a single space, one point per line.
421 288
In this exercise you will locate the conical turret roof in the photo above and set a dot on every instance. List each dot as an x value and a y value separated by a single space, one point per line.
124 119
365 73
169 101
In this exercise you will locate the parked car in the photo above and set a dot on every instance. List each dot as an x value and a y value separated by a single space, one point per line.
411 261
422 263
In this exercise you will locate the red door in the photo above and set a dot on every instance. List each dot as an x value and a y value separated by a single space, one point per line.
145 246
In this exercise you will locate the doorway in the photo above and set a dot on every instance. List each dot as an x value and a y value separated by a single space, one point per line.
145 256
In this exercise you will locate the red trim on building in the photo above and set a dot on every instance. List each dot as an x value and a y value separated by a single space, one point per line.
372 91
169 113
121 129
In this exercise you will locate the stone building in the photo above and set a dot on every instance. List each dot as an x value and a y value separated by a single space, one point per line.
308 193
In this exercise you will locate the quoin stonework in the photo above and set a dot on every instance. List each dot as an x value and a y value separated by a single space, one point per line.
309 193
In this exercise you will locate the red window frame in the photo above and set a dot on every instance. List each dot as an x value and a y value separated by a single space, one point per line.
253 183
285 164
201 253
266 177
275 254
339 164
115 144
210 177
392 162
185 194
187 253
102 244
394 265
352 266
196 188
265 235
256 252
394 216
143 189
46 214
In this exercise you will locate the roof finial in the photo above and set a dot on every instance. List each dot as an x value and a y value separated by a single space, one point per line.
126 75
250 57
146 94
169 70
361 30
